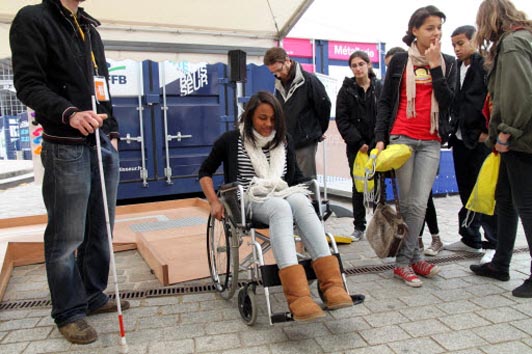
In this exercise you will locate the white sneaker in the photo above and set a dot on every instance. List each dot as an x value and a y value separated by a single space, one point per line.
459 246
488 256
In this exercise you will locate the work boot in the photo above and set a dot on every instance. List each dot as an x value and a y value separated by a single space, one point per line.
79 332
110 306
297 293
327 271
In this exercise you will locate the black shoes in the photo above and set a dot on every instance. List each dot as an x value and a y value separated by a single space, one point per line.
486 270
525 290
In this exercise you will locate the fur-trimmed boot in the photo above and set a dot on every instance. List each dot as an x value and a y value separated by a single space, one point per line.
297 293
327 270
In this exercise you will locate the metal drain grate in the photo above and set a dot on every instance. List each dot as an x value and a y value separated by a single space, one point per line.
198 289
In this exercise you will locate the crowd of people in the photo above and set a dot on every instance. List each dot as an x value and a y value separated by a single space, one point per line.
426 100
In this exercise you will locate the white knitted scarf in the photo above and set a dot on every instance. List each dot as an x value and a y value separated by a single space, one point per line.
268 181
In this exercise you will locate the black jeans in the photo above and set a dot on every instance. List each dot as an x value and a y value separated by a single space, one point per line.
514 199
467 164
357 199
431 218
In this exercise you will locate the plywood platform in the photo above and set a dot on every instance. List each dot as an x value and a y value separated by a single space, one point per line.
169 235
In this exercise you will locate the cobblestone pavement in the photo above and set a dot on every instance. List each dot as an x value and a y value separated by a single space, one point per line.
455 312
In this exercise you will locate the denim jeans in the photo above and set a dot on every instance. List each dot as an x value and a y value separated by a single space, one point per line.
514 198
415 179
280 214
76 222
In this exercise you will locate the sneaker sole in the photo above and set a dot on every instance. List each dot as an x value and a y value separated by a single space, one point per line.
432 273
411 284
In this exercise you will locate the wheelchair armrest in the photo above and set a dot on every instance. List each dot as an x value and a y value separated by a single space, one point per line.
228 186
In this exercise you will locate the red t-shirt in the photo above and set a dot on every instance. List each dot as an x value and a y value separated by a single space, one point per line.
417 127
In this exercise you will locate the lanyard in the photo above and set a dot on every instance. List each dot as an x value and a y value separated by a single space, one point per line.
82 35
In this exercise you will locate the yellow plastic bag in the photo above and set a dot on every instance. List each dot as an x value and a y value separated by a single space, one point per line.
482 198
391 158
359 172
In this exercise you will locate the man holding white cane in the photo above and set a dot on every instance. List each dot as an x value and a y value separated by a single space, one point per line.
59 64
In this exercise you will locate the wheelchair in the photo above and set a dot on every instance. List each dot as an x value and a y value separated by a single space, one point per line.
226 236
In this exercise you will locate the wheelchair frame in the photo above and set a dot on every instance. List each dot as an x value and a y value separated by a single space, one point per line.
224 238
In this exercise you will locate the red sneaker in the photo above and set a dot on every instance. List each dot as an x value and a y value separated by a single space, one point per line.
407 274
425 269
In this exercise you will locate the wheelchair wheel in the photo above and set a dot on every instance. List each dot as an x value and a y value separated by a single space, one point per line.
247 304
223 256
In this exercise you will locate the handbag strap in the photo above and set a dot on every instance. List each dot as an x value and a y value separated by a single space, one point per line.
382 194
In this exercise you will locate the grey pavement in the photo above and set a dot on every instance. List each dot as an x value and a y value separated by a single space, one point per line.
456 312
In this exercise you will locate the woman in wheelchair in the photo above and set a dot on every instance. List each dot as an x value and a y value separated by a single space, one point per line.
261 157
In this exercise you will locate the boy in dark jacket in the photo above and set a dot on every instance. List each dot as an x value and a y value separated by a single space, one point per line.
469 131
58 57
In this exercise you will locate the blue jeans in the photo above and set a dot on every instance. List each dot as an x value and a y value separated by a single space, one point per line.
280 214
514 199
415 179
76 222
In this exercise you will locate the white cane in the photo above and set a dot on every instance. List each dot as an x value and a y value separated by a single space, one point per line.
123 343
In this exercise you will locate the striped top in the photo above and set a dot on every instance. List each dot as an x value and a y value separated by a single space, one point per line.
245 169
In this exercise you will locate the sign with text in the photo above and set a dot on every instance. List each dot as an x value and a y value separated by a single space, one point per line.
298 47
125 78
342 50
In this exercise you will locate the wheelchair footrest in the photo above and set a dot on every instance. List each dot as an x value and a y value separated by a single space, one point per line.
357 298
281 317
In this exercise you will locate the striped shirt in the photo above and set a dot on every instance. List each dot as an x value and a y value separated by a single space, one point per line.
245 169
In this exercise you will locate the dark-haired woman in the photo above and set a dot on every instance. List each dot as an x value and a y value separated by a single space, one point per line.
414 110
261 157
504 37
356 111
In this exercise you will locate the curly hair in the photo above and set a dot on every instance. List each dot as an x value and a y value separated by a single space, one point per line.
247 117
494 19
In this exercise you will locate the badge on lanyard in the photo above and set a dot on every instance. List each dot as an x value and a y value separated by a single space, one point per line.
100 88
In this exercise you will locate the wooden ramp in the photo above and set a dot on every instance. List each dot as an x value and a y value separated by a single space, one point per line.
170 236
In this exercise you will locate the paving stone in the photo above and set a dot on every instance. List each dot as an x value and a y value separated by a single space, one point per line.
459 340
508 348
420 300
184 331
306 330
424 328
385 319
157 322
216 342
160 301
492 301
180 308
422 313
453 283
307 346
249 350
498 333
384 335
263 336
417 345
13 348
347 325
379 349
524 325
18 324
452 294
525 308
172 347
501 314
338 342
48 346
458 307
485 290
6 315
464 321
25 335
384 305
200 316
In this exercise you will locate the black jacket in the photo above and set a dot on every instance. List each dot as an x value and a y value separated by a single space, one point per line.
225 150
306 106
52 67
356 112
466 111
443 86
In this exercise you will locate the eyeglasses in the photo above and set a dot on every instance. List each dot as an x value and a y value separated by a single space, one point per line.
279 69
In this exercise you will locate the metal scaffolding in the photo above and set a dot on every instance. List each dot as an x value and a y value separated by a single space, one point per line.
9 103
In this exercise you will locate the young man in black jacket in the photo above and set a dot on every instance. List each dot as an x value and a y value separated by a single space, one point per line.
469 131
58 60
305 104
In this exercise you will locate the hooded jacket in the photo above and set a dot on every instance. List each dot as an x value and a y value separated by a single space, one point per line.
442 84
306 106
466 111
510 87
356 112
53 71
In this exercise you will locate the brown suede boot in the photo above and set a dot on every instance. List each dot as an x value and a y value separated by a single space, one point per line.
297 293
327 270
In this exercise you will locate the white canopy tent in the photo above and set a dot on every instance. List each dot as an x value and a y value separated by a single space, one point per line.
178 26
